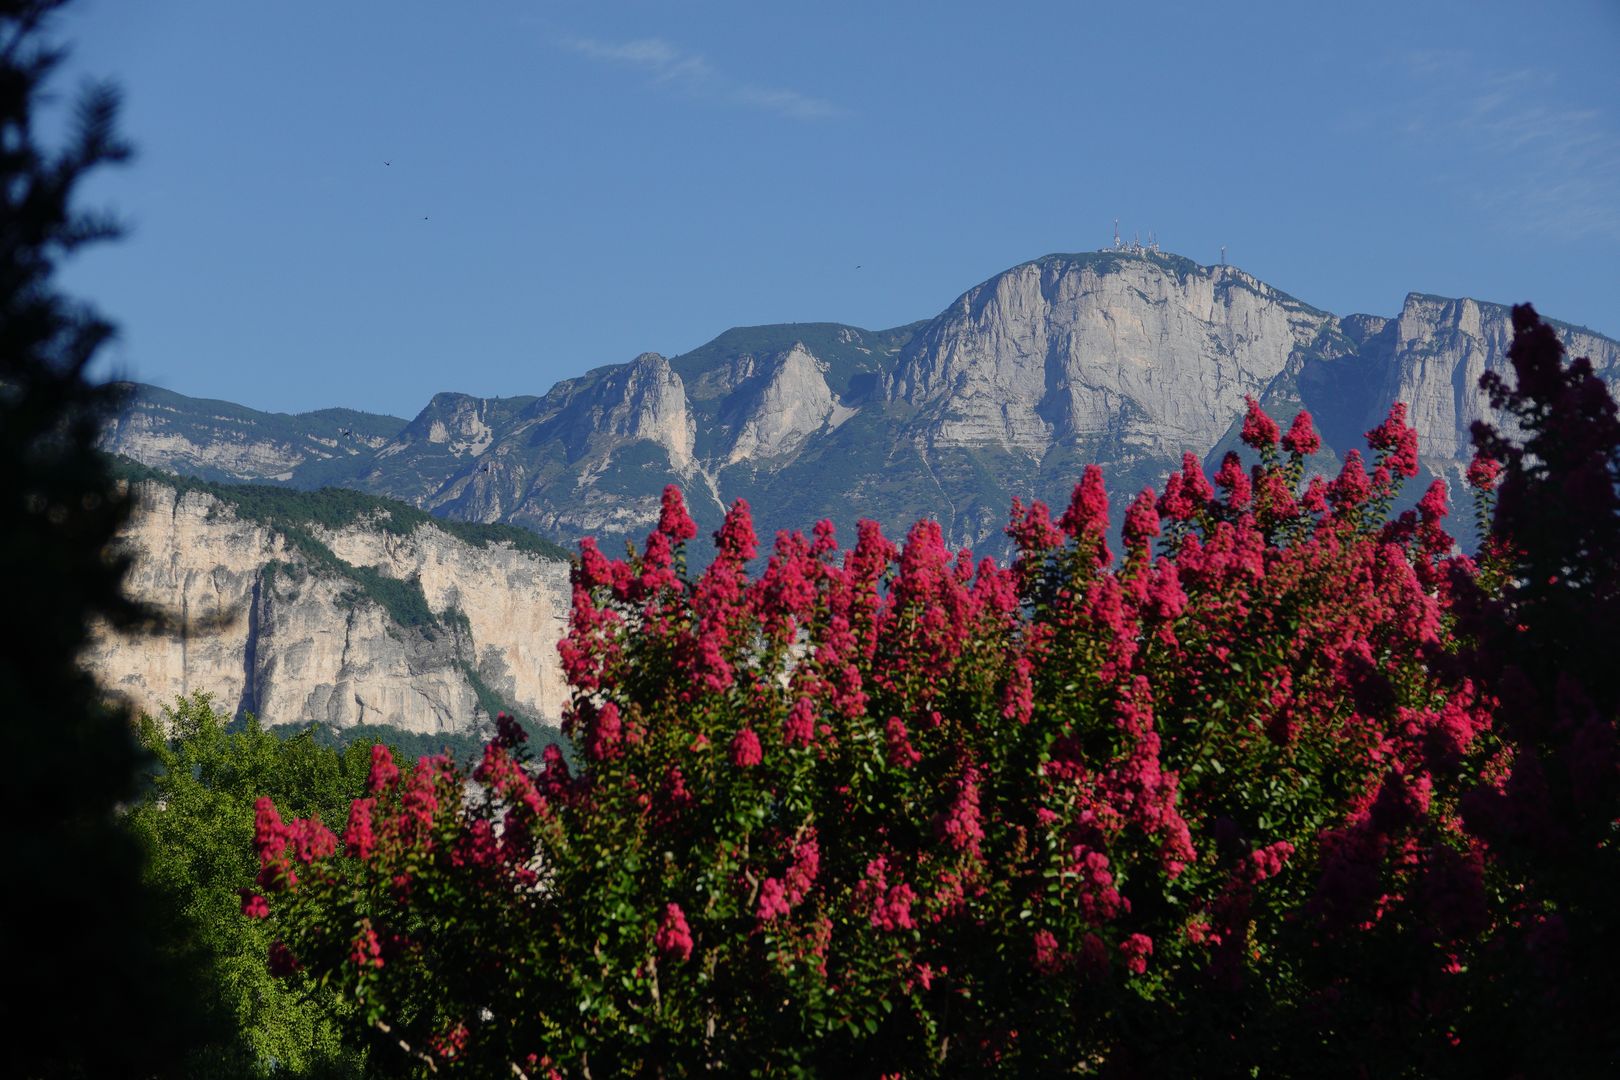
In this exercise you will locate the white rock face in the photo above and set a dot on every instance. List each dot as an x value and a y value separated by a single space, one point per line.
794 404
1441 347
1155 352
647 400
1123 359
516 604
266 632
457 422
192 435
146 435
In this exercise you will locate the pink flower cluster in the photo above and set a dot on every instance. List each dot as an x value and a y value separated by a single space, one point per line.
889 906
897 775
674 939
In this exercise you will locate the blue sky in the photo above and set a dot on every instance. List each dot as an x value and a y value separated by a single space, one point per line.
571 183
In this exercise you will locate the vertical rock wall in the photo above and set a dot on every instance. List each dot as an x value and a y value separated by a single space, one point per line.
269 630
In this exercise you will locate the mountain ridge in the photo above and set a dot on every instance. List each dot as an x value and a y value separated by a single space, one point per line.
1126 359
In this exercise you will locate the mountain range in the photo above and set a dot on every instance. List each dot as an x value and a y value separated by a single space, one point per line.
1123 358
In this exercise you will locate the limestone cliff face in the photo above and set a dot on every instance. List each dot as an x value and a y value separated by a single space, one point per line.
1125 358
221 440
793 404
590 457
643 401
1155 353
270 630
148 436
459 423
1432 355
515 605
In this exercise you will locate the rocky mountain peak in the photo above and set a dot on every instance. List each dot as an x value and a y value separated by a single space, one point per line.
460 423
595 416
793 403
1153 349
1358 328
1124 358
646 400
1432 355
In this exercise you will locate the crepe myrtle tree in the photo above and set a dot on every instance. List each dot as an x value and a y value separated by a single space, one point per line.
887 808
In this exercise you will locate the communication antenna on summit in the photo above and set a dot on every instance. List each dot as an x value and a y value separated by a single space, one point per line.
1223 254
1116 234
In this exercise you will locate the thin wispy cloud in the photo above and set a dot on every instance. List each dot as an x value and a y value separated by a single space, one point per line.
1550 164
669 65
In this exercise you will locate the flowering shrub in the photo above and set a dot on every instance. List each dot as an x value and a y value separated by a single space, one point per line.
1233 799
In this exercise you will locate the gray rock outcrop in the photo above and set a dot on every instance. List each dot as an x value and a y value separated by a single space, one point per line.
1155 353
793 404
222 440
1432 355
269 629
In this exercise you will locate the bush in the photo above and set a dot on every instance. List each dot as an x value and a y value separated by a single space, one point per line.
904 813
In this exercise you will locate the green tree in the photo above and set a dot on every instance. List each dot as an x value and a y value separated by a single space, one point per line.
196 822
112 995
